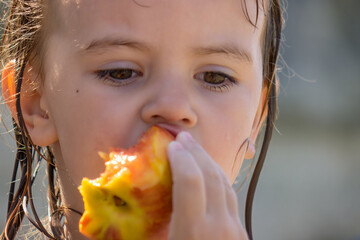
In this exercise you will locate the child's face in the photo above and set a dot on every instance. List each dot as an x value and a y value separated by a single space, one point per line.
170 49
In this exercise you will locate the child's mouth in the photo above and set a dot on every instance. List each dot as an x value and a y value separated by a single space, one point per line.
172 129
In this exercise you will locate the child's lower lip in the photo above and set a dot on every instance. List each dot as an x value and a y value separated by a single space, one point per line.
173 130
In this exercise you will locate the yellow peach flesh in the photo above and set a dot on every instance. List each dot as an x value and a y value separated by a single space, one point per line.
132 198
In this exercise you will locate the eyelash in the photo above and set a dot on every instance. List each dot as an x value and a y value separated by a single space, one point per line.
226 84
105 75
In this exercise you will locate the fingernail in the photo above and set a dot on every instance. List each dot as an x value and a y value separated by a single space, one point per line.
187 136
174 145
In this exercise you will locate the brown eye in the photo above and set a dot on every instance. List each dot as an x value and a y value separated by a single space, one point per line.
121 73
214 78
216 81
118 77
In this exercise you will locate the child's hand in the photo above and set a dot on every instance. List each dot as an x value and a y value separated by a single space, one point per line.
204 203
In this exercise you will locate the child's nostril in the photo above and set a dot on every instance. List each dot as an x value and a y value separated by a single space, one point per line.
119 202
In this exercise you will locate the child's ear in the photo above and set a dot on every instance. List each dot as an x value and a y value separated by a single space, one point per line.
258 121
33 104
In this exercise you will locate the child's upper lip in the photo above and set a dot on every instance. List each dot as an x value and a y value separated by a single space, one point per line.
172 129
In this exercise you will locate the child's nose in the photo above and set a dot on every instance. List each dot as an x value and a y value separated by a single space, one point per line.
169 104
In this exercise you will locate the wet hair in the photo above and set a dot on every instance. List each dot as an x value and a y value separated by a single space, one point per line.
24 40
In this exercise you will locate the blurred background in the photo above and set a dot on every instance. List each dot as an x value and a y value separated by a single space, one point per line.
310 185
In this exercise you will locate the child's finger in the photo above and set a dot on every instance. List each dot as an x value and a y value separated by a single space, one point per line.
231 197
188 183
214 185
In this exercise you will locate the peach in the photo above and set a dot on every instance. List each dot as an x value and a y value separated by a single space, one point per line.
132 198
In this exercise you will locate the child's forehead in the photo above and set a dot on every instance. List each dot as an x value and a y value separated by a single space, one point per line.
167 19
109 9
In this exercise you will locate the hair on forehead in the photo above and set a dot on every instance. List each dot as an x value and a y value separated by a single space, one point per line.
260 5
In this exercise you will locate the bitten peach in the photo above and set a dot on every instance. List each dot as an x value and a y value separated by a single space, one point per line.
132 198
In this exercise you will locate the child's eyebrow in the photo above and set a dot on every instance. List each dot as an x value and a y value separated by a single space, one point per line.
227 49
114 42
